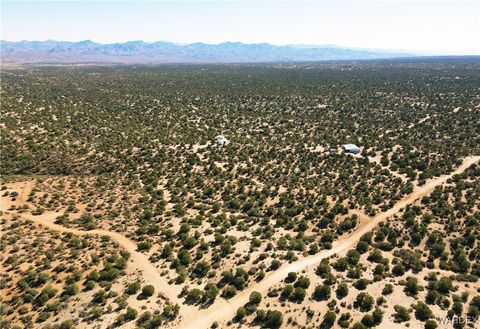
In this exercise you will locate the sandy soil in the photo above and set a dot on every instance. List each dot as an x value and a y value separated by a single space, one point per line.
138 260
223 310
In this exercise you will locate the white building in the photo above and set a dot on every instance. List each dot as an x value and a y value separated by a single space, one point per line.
351 148
221 141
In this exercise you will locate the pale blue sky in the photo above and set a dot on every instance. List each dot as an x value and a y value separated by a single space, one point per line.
442 27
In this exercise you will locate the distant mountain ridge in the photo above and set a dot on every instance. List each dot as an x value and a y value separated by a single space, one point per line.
87 51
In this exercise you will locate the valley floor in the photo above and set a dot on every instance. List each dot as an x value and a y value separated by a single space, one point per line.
222 310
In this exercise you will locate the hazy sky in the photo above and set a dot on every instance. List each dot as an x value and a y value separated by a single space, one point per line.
442 27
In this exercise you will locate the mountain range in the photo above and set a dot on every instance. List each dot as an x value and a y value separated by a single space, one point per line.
63 52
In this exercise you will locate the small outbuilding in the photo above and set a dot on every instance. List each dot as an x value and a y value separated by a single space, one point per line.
351 148
221 140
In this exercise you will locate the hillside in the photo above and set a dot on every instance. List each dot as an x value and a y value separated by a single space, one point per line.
166 52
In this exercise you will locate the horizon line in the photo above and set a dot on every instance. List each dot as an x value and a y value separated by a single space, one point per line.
306 45
394 51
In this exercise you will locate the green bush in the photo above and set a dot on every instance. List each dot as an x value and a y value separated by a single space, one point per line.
147 291
132 288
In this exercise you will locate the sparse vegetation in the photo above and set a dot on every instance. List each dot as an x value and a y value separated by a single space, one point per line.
130 150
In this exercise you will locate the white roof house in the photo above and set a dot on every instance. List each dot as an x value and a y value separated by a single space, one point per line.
351 148
221 140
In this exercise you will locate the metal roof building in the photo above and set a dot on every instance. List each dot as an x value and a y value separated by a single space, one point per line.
221 141
351 148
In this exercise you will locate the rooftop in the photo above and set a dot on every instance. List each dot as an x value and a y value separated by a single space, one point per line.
350 147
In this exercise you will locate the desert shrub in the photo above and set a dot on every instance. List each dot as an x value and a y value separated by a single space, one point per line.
364 302
132 288
342 290
401 314
147 291
255 298
241 313
298 294
328 320
322 292
210 293
302 282
273 319
422 311
431 324
387 289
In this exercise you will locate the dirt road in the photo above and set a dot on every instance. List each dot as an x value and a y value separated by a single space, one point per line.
222 310
138 261
226 310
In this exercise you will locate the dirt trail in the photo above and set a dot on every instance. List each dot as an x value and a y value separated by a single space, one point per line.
27 188
138 261
222 309
225 310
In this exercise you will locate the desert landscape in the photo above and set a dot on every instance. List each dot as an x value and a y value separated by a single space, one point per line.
310 195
